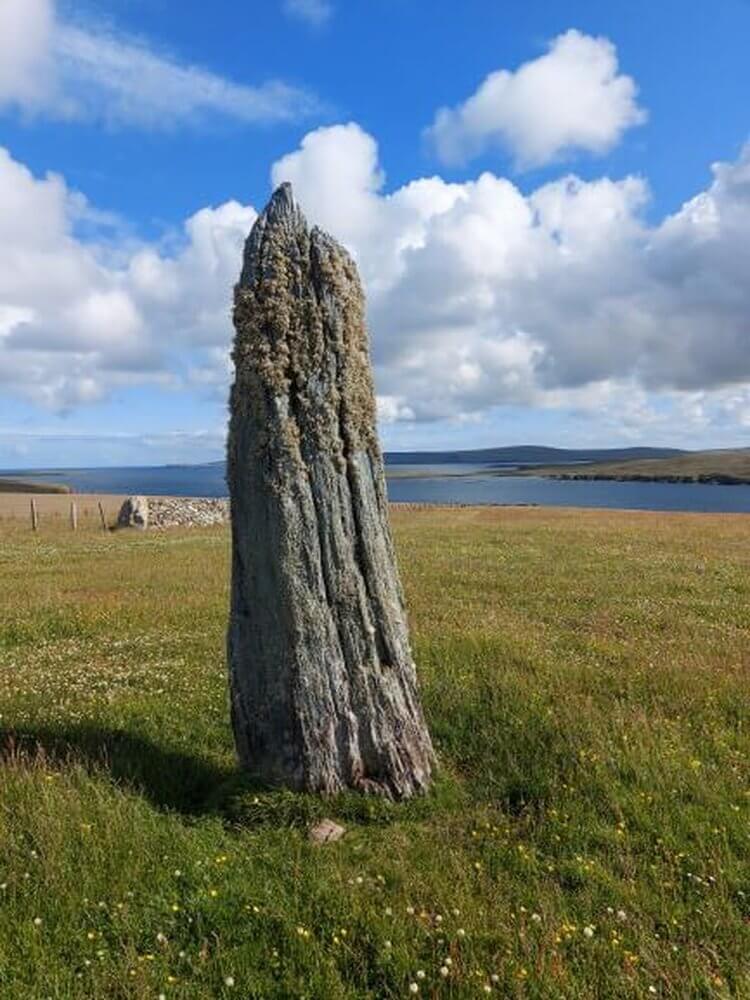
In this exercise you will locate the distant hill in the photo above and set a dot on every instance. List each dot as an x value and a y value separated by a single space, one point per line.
720 466
22 486
528 454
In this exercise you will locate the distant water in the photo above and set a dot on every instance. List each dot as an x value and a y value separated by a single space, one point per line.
488 489
438 484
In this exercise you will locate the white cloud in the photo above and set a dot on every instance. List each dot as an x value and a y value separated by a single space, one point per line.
391 409
331 163
315 12
80 71
570 99
26 30
77 320
480 296
49 447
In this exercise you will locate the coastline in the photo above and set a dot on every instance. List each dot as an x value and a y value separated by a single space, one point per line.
11 484
54 510
708 479
730 467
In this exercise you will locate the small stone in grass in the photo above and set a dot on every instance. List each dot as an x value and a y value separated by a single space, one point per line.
326 832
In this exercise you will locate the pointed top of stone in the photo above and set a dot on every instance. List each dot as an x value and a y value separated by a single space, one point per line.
283 209
282 213
282 201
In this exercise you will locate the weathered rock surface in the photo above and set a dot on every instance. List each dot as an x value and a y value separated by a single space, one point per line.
187 512
323 687
133 513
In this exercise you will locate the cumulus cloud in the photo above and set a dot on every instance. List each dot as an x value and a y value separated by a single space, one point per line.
73 70
26 31
77 320
332 162
315 12
480 296
573 98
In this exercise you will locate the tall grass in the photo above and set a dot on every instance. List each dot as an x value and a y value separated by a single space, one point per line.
585 677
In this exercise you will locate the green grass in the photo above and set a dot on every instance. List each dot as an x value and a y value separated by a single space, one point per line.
585 676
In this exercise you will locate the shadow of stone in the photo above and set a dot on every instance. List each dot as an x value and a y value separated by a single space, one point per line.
176 781
170 779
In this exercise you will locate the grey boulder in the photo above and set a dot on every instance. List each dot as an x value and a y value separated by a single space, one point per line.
133 513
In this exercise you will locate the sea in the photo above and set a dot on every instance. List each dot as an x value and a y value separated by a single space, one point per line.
457 483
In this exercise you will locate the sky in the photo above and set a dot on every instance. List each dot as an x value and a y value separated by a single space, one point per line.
549 204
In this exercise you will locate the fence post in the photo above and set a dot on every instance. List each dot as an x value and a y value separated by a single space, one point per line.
34 517
103 518
73 515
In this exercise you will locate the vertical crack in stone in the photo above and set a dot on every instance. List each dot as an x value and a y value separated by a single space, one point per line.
324 693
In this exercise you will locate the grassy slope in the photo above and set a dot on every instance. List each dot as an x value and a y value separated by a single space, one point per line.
586 681
22 486
700 465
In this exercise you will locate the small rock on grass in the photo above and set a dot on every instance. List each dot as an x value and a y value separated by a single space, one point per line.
326 832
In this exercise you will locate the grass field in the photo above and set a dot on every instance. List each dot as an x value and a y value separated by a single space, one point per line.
53 509
585 676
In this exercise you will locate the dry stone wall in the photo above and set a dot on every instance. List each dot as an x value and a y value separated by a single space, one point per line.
175 512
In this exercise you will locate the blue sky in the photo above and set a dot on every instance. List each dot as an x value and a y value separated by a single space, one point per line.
548 259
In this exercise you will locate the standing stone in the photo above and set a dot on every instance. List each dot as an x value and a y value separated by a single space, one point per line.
133 513
323 687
